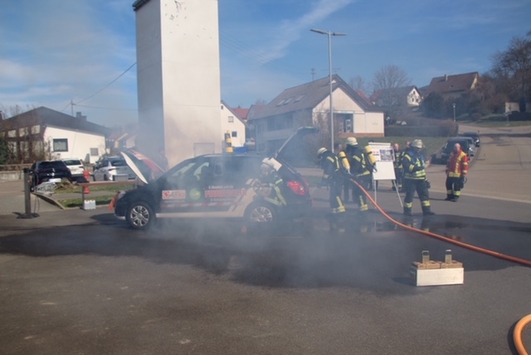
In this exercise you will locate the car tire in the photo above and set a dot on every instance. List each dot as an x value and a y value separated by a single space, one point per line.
261 214
105 177
140 215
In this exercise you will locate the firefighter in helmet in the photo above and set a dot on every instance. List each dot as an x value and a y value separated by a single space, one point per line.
359 171
271 180
333 177
415 179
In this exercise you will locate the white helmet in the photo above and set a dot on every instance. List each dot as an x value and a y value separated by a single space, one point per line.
417 143
351 141
320 151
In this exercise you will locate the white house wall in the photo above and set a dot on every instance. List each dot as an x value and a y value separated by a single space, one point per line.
235 126
79 144
365 123
178 78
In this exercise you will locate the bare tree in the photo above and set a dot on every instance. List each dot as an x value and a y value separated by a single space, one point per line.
358 83
389 77
512 68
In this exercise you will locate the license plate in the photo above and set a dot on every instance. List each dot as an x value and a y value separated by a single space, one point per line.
55 180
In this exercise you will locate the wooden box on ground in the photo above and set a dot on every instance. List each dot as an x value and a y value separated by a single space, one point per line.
435 273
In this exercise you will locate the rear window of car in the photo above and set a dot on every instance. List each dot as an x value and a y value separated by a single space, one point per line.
73 162
120 162
51 164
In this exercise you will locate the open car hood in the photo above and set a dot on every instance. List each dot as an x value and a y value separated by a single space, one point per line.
295 142
143 167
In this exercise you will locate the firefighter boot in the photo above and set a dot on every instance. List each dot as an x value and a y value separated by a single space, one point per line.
426 211
449 197
407 211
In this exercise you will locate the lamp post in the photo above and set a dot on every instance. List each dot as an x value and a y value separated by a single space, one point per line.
330 34
454 110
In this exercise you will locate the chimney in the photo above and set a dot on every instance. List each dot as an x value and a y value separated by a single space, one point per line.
445 77
80 116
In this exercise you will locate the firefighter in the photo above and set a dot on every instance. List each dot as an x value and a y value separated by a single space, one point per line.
397 164
333 177
456 170
344 166
270 178
415 179
359 171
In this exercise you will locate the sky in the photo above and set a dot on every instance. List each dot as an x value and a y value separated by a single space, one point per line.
79 56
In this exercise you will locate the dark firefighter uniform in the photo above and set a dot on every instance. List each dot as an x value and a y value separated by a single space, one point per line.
361 173
456 170
270 178
415 179
333 177
399 169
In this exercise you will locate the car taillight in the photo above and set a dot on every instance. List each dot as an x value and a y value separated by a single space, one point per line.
297 187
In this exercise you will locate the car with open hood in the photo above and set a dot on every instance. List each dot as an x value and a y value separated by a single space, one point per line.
227 185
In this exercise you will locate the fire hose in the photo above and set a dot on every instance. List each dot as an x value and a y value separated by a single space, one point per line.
519 328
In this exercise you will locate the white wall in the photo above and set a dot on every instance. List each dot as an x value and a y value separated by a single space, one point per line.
79 143
236 125
371 123
178 77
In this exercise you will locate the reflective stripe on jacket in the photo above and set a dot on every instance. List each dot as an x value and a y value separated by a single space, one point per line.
457 165
358 163
413 164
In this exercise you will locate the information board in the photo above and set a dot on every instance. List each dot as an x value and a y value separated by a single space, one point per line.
384 155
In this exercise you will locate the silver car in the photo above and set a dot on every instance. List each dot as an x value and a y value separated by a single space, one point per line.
113 169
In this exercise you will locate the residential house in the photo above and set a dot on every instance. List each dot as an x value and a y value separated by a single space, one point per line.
452 86
407 96
232 123
309 105
53 135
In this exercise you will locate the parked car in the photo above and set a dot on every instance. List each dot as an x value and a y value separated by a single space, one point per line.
76 167
443 154
218 186
48 170
111 168
474 136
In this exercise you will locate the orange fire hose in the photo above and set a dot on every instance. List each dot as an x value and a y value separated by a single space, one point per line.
519 328
517 334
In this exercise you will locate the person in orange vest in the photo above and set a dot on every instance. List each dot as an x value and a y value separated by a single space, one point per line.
456 170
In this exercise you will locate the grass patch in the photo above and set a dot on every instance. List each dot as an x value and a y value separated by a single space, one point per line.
66 187
78 202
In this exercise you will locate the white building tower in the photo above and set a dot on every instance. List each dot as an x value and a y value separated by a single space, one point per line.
178 73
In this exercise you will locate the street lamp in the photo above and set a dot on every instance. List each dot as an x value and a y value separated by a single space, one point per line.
330 34
454 110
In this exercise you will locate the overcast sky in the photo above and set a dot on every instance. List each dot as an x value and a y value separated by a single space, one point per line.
57 51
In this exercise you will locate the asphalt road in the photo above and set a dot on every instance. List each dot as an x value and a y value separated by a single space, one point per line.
82 282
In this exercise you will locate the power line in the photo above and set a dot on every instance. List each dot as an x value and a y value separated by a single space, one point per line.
107 108
106 86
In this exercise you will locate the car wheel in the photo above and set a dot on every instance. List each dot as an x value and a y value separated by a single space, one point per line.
105 177
140 215
261 214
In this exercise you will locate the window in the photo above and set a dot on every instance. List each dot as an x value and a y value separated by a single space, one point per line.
60 145
12 133
94 152
234 134
348 125
231 119
35 129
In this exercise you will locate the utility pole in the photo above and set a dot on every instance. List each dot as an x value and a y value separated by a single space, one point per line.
330 34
